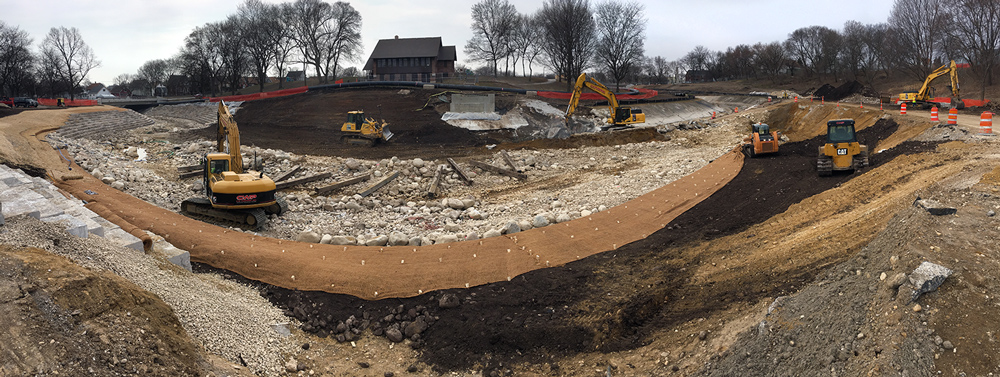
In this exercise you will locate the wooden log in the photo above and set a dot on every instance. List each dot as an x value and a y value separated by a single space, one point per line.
289 174
190 174
296 182
434 190
379 184
344 183
461 173
498 170
181 169
506 158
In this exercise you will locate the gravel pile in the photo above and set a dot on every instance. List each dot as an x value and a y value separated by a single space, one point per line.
227 318
562 184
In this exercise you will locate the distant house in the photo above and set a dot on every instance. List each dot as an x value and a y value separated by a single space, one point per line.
411 59
120 91
98 90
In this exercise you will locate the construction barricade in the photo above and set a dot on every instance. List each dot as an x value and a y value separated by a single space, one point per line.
986 123
953 116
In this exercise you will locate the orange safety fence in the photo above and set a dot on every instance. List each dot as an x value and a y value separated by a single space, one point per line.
643 94
68 102
257 96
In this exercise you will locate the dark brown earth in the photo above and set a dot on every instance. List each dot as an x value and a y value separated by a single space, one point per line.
557 311
310 123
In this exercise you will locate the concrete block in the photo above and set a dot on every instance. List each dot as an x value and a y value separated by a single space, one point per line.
73 225
124 238
17 208
176 256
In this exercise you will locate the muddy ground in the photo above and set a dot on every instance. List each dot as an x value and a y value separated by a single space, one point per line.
779 273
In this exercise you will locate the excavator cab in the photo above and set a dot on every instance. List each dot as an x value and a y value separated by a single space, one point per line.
628 115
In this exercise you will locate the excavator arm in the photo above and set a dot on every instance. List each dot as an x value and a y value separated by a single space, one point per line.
229 133
592 84
952 69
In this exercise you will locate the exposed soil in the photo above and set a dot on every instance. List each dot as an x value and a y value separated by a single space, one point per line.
694 297
551 312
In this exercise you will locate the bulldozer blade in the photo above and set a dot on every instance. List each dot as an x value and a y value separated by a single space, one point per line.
387 134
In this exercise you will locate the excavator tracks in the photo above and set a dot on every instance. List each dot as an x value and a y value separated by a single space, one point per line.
201 209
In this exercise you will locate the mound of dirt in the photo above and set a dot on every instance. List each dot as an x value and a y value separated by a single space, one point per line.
830 93
91 323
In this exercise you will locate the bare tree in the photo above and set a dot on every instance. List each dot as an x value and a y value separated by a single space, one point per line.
494 23
75 57
917 28
770 59
698 59
235 61
284 39
202 58
312 32
123 80
661 69
621 33
345 37
154 72
814 48
259 26
569 36
15 60
977 35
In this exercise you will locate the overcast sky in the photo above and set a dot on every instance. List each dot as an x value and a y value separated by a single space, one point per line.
125 34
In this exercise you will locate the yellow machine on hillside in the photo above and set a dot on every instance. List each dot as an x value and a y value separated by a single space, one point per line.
233 193
621 116
760 141
842 150
923 96
364 131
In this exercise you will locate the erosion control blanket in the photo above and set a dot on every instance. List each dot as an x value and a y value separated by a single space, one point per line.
404 271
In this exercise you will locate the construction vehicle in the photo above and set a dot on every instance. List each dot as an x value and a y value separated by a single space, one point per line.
232 193
760 141
842 151
361 130
621 116
923 97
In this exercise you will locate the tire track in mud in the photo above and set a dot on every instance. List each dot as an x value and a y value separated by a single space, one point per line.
607 302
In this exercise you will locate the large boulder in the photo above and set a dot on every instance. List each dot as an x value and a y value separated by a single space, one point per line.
308 236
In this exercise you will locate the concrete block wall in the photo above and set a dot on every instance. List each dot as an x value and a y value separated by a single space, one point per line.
21 194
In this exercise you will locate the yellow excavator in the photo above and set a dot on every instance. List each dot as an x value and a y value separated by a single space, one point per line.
621 116
361 130
923 96
232 193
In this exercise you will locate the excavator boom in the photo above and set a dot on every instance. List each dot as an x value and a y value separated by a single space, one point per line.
229 134
923 96
620 116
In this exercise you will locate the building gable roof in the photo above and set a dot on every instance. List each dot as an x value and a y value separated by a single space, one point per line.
410 48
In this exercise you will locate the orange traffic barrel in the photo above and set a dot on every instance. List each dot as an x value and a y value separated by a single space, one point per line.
934 114
986 123
953 116
902 108
796 98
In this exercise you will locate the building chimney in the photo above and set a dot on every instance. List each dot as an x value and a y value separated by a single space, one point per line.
397 37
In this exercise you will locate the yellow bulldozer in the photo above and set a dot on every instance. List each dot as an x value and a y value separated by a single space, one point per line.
233 193
361 130
842 151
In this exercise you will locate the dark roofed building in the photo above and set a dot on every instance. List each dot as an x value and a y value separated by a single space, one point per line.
411 59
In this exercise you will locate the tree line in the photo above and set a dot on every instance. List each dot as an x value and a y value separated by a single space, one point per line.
918 37
216 57
566 36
